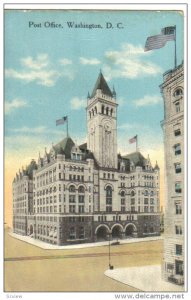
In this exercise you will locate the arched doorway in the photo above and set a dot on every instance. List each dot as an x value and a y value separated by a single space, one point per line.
116 232
102 233
130 230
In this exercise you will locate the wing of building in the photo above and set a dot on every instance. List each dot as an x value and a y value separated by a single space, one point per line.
172 89
89 192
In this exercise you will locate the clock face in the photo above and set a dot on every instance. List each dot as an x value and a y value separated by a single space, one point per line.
107 127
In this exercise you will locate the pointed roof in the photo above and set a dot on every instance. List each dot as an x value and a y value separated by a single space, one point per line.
64 147
102 85
137 158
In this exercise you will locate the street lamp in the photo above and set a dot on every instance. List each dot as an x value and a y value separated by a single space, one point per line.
110 266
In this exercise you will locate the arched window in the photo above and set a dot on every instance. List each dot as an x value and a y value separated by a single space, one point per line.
107 110
122 194
132 193
151 193
102 109
90 114
108 199
146 193
81 189
178 92
95 110
111 111
72 189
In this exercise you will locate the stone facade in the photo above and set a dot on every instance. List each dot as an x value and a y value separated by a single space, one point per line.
172 89
85 193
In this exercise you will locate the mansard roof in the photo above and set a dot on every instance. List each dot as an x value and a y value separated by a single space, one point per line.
102 85
64 147
137 158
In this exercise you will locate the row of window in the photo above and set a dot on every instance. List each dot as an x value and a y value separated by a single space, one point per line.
104 110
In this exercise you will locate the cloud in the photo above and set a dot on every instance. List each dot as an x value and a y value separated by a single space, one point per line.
65 61
77 103
129 62
38 70
121 101
30 130
47 78
40 62
147 100
126 126
89 61
14 104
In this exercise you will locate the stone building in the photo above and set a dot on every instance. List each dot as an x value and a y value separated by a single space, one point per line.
22 190
89 192
172 89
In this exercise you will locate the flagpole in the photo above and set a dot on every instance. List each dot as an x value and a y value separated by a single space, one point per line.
175 59
136 143
67 126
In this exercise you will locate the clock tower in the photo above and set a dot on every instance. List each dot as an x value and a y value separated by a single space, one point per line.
102 124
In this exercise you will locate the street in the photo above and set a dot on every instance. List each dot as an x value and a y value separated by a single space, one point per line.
30 268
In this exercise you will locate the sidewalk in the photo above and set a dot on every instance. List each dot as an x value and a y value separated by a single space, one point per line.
146 279
47 246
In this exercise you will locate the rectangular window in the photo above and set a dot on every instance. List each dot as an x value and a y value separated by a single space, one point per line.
122 201
178 249
81 198
81 208
146 201
178 229
178 168
178 209
72 199
72 209
178 188
72 234
179 267
177 132
177 149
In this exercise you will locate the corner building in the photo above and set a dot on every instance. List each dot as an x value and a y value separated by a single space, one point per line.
88 192
172 89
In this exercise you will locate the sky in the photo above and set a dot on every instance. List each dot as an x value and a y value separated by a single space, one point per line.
50 70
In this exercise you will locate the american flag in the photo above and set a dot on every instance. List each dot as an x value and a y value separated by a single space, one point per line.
158 41
133 139
61 121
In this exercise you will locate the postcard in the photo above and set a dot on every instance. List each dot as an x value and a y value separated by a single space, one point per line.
94 151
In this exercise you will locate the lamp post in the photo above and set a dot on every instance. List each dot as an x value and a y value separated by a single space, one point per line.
110 266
